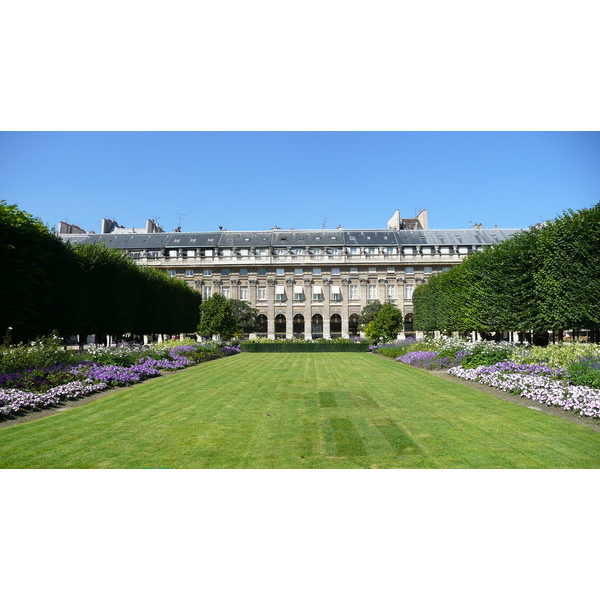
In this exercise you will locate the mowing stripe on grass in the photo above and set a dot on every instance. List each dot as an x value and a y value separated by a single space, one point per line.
346 438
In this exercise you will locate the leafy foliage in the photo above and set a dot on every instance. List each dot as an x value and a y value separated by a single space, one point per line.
546 278
50 286
386 325
217 318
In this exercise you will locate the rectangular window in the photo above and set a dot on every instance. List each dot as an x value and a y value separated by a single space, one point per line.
408 250
226 291
244 272
372 292
153 254
317 293
409 288
207 272
409 271
298 292
227 252
173 253
262 252
280 251
298 251
279 271
335 270
208 253
389 250
207 292
318 251
262 272
191 253
335 293
172 272
353 269
298 271
391 291
353 250
353 292
135 254
334 251
245 252
445 269
243 292
372 269
463 250
225 272
371 250
427 270
444 250
262 292
426 249
391 269
317 271
189 272
280 293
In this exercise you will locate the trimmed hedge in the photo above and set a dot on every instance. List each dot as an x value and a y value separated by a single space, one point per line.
293 346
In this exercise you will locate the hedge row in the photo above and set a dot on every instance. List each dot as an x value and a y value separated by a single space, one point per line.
292 346
48 285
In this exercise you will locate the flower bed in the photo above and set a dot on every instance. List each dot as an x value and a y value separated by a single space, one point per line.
429 359
14 401
539 383
35 389
563 375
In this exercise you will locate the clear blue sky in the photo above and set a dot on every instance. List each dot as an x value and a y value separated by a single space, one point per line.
258 180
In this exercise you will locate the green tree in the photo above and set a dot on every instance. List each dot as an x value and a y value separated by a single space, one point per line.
245 315
217 318
386 325
368 313
568 276
39 284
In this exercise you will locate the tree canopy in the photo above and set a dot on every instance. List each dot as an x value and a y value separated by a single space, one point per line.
48 285
544 279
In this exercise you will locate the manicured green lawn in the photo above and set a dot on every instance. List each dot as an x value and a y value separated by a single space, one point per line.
326 410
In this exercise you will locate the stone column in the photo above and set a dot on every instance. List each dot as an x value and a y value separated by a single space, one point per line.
364 281
271 308
289 308
308 308
345 313
235 289
382 281
326 288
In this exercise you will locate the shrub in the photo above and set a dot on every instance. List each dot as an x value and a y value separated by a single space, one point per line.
586 372
46 351
304 346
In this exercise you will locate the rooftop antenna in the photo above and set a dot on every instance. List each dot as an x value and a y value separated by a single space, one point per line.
179 215
155 218
324 224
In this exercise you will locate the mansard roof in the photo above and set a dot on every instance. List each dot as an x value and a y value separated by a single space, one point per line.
284 238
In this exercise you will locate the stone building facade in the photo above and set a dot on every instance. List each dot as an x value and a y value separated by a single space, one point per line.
304 283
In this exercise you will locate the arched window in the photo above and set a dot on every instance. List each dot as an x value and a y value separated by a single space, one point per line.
335 326
280 325
262 326
317 327
298 326
353 325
